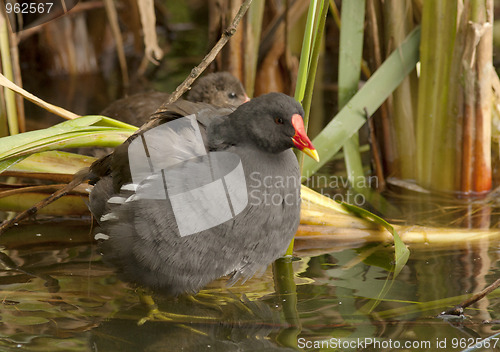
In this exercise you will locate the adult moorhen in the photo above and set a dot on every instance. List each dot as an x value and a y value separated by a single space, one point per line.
162 228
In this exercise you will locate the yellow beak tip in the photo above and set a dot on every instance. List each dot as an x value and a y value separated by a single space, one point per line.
312 153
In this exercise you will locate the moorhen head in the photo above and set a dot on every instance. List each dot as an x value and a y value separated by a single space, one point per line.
219 89
273 124
193 214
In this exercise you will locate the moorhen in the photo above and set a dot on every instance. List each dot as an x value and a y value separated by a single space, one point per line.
220 89
161 227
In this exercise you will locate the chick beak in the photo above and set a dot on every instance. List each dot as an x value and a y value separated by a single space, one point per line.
300 139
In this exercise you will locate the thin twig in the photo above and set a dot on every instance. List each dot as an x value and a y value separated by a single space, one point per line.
207 60
459 309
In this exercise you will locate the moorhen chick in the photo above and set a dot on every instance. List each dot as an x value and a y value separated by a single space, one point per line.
220 89
162 228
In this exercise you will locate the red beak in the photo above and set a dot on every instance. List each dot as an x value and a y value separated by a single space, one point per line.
300 139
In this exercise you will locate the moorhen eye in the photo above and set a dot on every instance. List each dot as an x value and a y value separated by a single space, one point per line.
231 95
278 120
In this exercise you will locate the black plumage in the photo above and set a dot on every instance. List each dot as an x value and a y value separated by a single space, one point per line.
141 236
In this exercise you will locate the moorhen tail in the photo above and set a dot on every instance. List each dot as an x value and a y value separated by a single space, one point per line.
201 193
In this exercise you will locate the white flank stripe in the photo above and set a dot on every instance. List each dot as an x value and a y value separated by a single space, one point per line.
116 200
129 187
109 216
101 236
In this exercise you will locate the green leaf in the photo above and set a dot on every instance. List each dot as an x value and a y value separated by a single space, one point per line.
10 142
375 91
306 49
4 165
401 252
306 74
81 132
23 320
56 162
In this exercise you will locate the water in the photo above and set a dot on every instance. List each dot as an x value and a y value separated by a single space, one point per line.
57 295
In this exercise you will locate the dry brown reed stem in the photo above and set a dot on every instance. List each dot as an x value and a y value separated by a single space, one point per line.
484 70
374 34
476 136
472 36
115 30
456 105
16 71
275 31
273 51
234 49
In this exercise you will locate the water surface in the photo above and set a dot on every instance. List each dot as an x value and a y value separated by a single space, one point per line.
57 295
